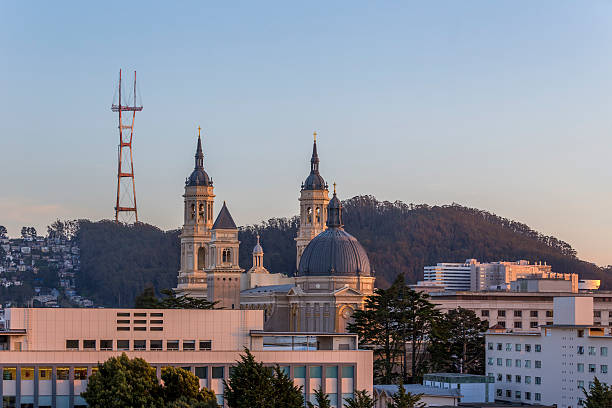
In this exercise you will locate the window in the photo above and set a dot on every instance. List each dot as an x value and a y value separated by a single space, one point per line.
508 362
604 368
315 371
533 313
155 344
318 215
596 313
538 380
499 392
591 351
592 368
299 372
217 372
518 313
123 344
527 395
123 329
518 325
172 345
89 344
538 348
330 372
490 361
527 379
517 363
156 322
140 344
201 372
44 373
499 377
508 377
580 350
156 329
549 313
499 346
72 344
591 385
227 255
502 323
9 373
140 315
80 373
528 348
508 346
27 373
500 362
123 315
188 345
308 215
517 347
157 315
490 346
533 325
527 364
580 333
484 313
106 344
538 396
140 328
348 372
140 322
501 313
509 393
538 364
205 344
580 384
63 373
517 378
603 351
580 367
517 394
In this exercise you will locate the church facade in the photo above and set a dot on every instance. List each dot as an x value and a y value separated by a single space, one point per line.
332 277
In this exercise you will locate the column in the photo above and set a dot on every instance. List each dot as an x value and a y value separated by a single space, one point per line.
36 379
18 387
71 379
1 383
54 387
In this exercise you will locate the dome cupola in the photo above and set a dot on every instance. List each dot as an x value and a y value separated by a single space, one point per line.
314 181
199 177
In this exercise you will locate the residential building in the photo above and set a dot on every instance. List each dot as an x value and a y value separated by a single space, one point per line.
473 388
451 276
431 396
50 353
553 363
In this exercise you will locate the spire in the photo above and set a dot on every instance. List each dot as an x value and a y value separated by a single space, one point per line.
314 161
199 157
334 212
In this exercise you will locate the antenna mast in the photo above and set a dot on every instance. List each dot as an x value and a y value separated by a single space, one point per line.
126 188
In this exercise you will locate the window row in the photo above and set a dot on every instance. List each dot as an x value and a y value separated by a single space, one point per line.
139 314
518 379
518 395
592 368
517 363
603 351
155 345
518 313
516 347
45 373
139 321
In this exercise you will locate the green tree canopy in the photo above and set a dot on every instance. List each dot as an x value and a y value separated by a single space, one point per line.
598 396
148 300
182 387
321 400
253 385
403 399
361 400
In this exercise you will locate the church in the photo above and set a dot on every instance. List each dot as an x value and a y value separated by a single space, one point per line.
332 277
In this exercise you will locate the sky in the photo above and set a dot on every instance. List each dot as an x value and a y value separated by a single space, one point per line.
503 106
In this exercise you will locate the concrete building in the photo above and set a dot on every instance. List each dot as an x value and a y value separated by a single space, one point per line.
519 311
431 396
553 363
50 353
451 276
589 284
473 388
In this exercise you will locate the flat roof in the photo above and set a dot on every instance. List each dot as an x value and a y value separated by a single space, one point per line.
457 378
391 389
303 334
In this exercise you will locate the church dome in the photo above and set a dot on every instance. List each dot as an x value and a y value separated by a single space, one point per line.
199 177
334 251
257 250
314 181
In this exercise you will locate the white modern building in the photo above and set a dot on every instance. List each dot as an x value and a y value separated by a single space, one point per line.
450 276
552 364
48 354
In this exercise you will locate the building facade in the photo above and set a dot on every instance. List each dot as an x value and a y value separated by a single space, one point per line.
50 353
554 363
450 276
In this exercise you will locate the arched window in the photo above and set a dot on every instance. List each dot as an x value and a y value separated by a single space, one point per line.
201 258
318 215
309 215
201 211
193 211
227 255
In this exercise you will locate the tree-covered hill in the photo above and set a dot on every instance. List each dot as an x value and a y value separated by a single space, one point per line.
118 261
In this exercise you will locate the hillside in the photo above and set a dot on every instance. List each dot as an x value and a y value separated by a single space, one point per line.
118 261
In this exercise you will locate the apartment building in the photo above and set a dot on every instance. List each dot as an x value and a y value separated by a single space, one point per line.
554 363
48 354
520 311
450 276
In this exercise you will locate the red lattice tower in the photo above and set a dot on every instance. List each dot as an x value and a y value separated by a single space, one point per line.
126 188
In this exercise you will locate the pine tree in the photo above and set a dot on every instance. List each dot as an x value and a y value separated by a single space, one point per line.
321 399
403 399
361 400
599 395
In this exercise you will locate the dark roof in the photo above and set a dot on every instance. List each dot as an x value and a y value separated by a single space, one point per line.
419 389
314 181
224 219
199 177
269 289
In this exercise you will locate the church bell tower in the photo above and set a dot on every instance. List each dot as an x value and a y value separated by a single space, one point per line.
196 233
314 197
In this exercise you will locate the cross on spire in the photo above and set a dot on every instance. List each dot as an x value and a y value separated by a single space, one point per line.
199 128
334 187
315 136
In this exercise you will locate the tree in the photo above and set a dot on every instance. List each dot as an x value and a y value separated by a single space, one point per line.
147 299
361 400
182 388
403 399
599 395
3 231
376 327
123 382
251 384
457 344
321 399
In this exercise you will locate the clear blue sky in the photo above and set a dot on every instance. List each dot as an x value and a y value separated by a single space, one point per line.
504 106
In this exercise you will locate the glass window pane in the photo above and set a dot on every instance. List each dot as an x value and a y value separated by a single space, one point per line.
299 372
44 373
348 372
63 373
201 372
217 372
80 373
27 373
315 372
331 372
9 373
